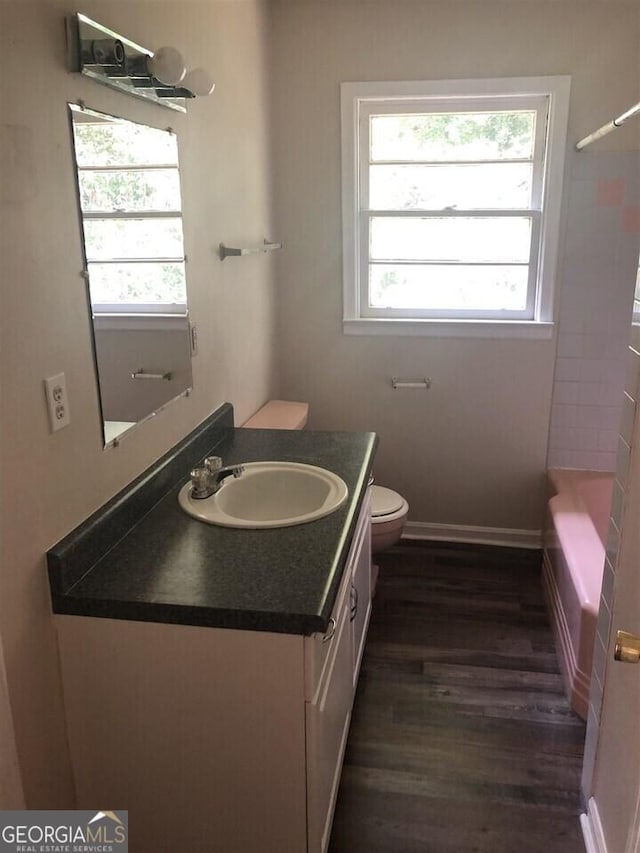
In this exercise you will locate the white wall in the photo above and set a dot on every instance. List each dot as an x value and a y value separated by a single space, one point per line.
11 794
472 451
50 483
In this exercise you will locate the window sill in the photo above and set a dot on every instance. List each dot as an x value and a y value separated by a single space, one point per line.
523 329
139 322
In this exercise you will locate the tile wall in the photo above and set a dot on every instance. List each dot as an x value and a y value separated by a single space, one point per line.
628 433
602 242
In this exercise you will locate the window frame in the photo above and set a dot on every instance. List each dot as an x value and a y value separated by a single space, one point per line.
358 102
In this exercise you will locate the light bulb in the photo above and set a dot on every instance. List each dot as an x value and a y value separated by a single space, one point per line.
167 66
198 81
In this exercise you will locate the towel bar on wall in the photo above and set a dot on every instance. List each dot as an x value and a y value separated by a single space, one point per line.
142 374
228 251
424 383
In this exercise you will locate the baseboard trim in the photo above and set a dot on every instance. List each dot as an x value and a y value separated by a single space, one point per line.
594 839
473 535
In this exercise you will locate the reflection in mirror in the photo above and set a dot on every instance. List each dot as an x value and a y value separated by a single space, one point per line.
129 196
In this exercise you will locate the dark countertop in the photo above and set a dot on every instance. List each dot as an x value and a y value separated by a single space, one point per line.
172 568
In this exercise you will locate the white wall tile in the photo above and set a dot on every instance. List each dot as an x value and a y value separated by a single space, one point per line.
622 463
604 618
613 544
570 345
601 417
595 345
600 263
590 744
595 692
617 502
607 440
569 369
599 660
627 418
602 461
564 416
632 379
567 393
598 369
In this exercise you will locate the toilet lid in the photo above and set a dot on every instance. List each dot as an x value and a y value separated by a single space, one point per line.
384 501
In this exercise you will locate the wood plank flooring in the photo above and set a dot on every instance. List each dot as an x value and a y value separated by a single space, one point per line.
462 740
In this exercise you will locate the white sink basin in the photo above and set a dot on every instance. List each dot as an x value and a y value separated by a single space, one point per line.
269 494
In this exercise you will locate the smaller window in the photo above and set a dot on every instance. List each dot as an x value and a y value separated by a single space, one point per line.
451 197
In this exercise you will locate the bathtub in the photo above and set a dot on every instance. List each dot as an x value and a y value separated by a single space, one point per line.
574 552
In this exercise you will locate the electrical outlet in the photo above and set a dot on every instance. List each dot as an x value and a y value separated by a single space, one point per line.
57 401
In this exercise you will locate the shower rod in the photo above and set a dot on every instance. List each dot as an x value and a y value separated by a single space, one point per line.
608 127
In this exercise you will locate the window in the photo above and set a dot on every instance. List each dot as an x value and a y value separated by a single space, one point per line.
451 198
129 191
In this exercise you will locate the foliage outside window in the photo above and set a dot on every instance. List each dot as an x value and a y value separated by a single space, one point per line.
449 210
129 188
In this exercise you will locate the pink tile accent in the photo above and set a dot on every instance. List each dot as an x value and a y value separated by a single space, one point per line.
631 220
610 193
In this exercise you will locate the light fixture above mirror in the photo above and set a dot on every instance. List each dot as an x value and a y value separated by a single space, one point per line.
107 57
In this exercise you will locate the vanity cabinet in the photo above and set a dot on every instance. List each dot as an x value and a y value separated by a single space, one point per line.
329 701
216 739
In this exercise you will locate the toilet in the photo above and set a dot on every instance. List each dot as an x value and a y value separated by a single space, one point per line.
388 508
388 515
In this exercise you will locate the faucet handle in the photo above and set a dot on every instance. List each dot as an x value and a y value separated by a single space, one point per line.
199 482
213 463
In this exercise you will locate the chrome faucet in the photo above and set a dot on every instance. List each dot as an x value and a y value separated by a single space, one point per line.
206 481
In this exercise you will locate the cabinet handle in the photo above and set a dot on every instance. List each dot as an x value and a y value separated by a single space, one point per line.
354 603
330 630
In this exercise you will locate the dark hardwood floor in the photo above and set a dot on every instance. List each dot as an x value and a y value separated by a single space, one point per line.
462 740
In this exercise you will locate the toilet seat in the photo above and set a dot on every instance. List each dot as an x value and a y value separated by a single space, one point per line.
387 505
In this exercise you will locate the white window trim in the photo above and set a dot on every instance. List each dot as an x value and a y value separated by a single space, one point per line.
140 322
353 95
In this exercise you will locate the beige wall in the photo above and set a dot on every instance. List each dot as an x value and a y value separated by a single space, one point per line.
50 483
471 451
11 794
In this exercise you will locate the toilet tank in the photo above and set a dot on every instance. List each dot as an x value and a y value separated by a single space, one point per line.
279 414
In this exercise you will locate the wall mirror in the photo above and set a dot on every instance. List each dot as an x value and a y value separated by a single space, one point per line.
128 186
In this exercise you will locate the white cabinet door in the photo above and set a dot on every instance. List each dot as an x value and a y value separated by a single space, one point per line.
327 722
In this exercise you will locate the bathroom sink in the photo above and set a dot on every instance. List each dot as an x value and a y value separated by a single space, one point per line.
269 494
